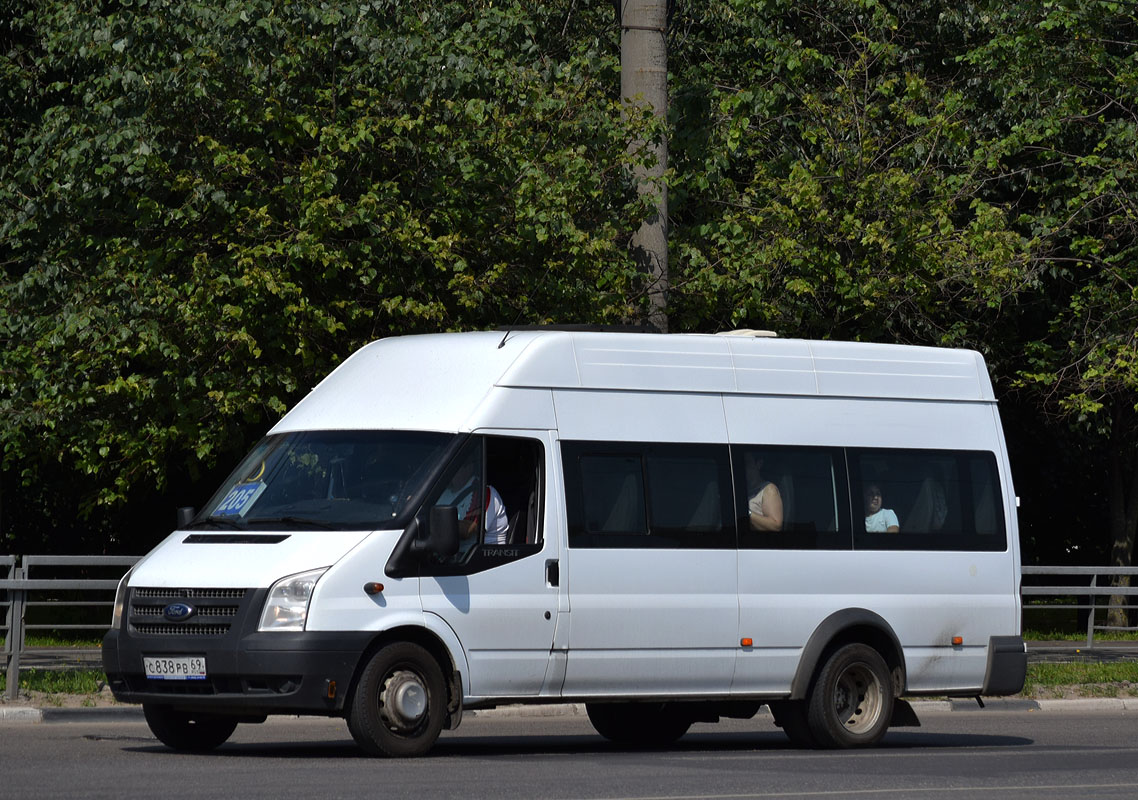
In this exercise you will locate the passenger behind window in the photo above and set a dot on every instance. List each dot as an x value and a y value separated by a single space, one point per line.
497 521
764 503
930 509
878 519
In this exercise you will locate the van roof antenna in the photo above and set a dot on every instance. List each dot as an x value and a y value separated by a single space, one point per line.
510 328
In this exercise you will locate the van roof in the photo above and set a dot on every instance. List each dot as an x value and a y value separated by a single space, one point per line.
438 381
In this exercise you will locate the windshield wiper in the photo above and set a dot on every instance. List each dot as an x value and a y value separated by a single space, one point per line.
220 522
289 520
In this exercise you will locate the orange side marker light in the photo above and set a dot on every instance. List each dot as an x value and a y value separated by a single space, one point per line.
957 641
745 642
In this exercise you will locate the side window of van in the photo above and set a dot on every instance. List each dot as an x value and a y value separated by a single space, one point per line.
612 494
791 498
494 486
648 495
926 500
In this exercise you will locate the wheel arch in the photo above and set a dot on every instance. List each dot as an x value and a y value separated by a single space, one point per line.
844 627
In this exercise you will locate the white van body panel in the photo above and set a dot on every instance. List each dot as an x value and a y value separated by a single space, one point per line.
500 619
785 595
647 417
440 382
652 622
458 382
340 604
858 422
744 365
173 563
853 369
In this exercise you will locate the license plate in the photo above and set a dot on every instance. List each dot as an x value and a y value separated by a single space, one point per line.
175 668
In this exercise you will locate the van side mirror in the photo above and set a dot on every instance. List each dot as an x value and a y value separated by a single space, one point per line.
442 533
185 516
436 536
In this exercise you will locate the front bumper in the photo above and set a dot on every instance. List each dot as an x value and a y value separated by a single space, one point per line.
266 673
250 673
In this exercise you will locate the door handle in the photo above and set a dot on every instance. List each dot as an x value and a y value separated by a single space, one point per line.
552 572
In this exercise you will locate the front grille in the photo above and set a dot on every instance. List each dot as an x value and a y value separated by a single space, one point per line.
195 594
185 629
140 610
146 611
214 611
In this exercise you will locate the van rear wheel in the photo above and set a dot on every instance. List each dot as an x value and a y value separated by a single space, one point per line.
851 702
182 730
654 724
399 706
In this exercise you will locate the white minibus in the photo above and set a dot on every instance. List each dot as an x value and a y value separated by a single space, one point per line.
667 529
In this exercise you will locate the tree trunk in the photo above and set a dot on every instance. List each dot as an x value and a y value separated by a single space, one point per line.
1123 519
644 82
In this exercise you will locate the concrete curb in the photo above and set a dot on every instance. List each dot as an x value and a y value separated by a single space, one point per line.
1078 704
29 714
527 710
97 714
20 714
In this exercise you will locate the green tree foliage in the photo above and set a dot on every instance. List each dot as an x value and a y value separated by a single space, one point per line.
824 179
203 205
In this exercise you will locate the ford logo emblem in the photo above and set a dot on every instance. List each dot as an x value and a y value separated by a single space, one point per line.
176 612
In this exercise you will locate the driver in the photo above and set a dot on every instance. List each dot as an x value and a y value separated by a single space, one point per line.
464 494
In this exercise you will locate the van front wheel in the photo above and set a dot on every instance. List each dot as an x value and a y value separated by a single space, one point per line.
399 706
852 700
183 731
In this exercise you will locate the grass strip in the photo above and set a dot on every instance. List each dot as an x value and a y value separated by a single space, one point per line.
1033 635
59 681
1110 679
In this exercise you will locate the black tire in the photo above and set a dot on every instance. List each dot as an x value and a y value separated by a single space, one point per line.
180 730
851 702
791 716
399 706
651 724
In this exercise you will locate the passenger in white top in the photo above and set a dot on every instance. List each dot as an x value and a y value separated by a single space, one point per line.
497 523
878 519
470 501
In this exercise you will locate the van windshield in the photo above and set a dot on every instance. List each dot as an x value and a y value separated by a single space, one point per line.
326 480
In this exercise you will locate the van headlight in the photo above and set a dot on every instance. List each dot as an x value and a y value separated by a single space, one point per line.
286 608
120 600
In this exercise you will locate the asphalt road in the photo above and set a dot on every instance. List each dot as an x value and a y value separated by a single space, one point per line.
1001 754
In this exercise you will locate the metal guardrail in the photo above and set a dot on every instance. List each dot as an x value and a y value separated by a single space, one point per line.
1090 591
19 591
